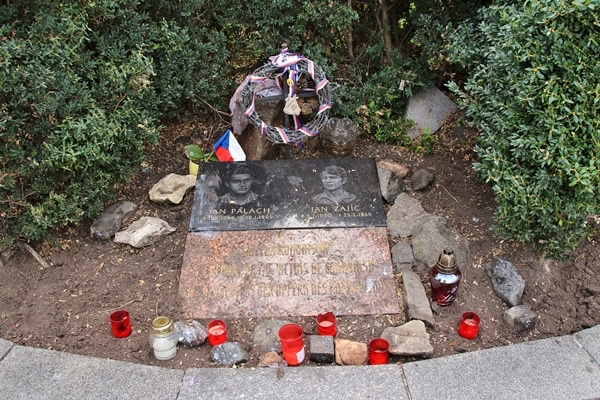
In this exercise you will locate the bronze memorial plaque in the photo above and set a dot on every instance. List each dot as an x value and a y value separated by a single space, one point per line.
292 272
287 238
287 194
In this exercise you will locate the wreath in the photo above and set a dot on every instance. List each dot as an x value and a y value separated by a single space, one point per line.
293 67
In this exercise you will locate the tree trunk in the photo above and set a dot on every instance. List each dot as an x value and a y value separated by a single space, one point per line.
385 30
349 39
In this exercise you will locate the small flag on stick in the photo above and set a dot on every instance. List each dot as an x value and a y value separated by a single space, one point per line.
228 149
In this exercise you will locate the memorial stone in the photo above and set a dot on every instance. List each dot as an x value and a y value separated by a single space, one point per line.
287 194
287 238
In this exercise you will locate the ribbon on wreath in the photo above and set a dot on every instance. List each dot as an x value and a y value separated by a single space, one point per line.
291 65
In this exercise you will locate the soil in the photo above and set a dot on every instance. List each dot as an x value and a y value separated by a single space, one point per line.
65 306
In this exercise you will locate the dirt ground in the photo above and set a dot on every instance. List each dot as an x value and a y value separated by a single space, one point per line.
65 307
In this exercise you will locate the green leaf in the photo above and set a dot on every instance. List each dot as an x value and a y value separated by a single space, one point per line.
194 152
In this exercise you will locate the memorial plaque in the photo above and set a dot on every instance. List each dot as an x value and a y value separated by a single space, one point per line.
278 273
287 194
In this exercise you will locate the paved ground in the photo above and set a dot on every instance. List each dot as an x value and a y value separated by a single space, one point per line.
566 367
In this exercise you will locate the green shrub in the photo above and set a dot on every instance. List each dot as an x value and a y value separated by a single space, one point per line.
84 85
257 28
379 103
534 94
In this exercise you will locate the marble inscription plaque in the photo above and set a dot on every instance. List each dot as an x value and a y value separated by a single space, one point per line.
277 273
287 194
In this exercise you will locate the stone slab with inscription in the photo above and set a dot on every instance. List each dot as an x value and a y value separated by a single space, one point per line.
287 194
277 273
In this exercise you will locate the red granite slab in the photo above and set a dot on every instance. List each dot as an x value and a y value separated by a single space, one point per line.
278 273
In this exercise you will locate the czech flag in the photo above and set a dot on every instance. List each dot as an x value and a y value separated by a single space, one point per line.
228 149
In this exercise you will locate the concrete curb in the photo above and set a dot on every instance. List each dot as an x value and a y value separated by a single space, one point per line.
566 367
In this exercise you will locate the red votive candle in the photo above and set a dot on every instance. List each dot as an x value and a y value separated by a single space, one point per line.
217 332
469 325
120 324
379 351
326 324
292 343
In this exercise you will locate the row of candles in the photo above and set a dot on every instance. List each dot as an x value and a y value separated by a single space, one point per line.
164 338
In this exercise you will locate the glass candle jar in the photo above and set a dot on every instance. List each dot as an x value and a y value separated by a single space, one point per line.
163 338
338 137
444 278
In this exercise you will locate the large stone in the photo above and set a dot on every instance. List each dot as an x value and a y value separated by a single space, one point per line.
391 185
109 222
405 216
348 352
247 257
421 179
415 298
402 256
431 237
429 233
428 109
144 232
172 188
410 339
506 281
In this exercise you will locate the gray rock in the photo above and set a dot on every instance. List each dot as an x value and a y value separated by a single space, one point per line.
144 232
421 179
322 349
405 216
521 318
391 185
429 233
428 109
228 353
402 256
172 188
410 339
430 238
109 222
191 333
506 281
416 299
265 335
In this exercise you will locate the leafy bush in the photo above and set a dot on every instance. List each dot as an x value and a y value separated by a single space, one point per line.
534 94
379 103
84 86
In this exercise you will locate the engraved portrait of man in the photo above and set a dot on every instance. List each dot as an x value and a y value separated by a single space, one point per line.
333 179
238 180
